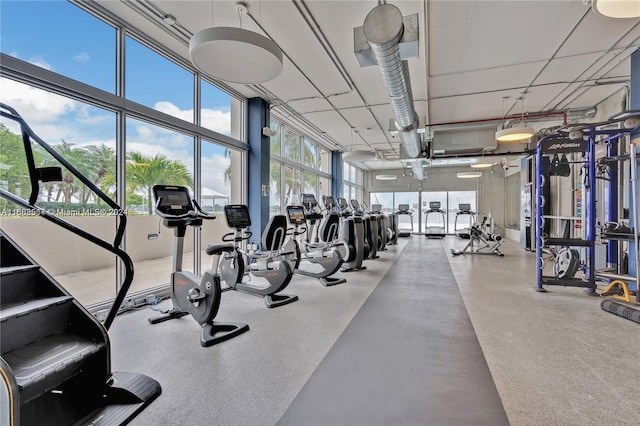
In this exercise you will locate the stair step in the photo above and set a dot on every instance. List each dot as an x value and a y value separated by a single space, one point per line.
43 365
18 309
11 253
23 323
24 283
114 401
7 270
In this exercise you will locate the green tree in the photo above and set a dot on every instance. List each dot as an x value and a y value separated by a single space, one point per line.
14 173
143 172
104 159
82 160
227 172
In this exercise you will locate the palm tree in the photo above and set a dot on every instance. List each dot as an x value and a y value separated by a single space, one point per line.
143 172
104 159
81 159
14 173
227 172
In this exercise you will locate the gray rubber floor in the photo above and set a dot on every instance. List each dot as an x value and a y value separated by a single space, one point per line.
410 356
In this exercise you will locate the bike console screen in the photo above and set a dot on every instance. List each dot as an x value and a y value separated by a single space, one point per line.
309 201
296 215
237 216
172 200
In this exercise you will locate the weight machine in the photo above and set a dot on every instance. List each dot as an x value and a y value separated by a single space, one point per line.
573 145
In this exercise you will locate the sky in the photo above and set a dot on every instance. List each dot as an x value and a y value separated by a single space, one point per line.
62 38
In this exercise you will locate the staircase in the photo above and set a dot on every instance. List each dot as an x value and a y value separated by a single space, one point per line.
55 362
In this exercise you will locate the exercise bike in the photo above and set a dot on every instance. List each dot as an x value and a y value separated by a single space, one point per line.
324 251
191 294
236 263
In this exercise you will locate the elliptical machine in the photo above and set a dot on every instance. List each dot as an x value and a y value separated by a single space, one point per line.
262 264
383 230
323 249
351 231
371 228
190 293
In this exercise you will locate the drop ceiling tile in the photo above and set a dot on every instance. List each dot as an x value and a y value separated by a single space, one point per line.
490 34
501 78
596 34
566 69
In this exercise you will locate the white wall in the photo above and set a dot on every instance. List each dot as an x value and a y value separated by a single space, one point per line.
61 252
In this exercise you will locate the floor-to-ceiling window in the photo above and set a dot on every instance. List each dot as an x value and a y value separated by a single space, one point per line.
433 219
124 147
410 220
456 220
299 165
352 183
420 203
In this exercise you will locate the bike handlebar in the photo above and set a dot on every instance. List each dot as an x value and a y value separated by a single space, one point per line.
198 213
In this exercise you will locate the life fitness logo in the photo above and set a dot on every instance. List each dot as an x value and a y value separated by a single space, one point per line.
564 146
181 281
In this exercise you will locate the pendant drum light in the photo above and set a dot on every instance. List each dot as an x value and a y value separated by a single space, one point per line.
234 54
617 8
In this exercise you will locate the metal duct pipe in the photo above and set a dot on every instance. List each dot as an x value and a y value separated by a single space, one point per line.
383 29
418 170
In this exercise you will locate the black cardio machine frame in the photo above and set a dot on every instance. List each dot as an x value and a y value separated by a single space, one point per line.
192 294
324 251
235 263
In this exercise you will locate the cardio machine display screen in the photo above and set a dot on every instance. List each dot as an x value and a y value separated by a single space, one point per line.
464 207
296 215
434 205
309 200
403 207
237 215
376 207
172 199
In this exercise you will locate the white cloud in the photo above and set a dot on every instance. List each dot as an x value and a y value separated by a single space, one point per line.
213 169
82 57
214 119
171 109
40 62
217 120
36 106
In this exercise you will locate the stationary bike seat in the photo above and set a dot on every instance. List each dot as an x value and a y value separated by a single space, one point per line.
219 249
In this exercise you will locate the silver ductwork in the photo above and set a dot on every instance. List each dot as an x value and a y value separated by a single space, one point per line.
383 28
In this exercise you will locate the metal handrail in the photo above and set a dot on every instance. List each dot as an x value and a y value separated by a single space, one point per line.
27 135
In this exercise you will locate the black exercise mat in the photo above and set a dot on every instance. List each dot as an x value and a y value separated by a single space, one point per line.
410 356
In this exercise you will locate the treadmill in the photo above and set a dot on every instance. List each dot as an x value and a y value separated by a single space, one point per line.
464 231
436 227
405 229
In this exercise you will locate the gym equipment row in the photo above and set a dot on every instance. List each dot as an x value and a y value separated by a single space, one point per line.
330 242
56 356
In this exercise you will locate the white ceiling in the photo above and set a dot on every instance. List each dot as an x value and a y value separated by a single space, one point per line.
476 59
